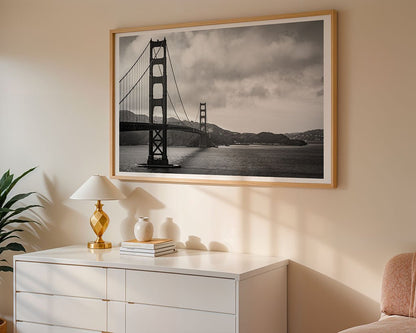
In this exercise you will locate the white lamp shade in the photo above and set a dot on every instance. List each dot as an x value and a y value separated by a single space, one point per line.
98 188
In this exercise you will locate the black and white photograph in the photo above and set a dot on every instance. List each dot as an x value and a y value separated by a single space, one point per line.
234 102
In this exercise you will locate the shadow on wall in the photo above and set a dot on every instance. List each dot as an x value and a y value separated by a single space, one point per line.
324 304
170 229
55 219
195 243
270 222
137 198
307 227
51 220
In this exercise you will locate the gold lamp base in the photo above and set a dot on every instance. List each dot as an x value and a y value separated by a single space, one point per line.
99 245
99 222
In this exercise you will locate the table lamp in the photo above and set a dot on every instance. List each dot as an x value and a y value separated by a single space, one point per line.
98 188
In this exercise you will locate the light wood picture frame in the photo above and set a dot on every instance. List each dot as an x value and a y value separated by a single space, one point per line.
249 101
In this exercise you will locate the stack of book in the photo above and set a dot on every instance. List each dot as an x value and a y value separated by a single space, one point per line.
153 248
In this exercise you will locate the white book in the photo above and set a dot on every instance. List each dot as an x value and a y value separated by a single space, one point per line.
139 250
145 254
155 243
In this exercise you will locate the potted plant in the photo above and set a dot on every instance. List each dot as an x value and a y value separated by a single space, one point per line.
10 219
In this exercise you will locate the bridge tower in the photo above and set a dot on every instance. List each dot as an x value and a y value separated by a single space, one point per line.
158 132
203 140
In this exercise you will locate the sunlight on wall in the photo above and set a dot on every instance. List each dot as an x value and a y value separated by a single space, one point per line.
54 102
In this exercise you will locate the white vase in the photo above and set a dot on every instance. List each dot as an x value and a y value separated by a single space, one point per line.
143 229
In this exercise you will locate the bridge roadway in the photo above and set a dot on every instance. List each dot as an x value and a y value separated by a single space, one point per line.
132 126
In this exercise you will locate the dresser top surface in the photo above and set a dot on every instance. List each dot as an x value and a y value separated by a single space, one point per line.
196 262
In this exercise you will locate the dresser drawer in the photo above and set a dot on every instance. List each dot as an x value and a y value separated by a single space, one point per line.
22 327
179 290
160 319
62 311
58 279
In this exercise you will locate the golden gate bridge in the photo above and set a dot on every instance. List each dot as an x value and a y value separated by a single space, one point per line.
144 106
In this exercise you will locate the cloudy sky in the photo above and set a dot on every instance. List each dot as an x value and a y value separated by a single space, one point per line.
253 79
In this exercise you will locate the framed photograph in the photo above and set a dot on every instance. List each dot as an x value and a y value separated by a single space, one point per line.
239 102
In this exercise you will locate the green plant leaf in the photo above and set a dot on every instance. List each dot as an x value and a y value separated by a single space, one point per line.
3 189
6 269
16 198
7 207
9 234
4 176
20 210
11 185
12 247
5 223
5 181
9 215
10 237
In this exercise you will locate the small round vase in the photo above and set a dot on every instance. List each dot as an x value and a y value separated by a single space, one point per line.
143 229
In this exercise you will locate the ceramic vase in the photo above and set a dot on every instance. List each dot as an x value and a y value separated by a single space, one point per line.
143 229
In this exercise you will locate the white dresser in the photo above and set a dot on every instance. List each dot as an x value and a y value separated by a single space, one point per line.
77 290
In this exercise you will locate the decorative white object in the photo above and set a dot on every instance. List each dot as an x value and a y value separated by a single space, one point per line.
143 229
197 292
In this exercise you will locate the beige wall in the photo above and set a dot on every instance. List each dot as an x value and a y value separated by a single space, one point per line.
54 102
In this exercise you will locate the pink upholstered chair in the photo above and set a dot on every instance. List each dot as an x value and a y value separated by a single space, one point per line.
398 301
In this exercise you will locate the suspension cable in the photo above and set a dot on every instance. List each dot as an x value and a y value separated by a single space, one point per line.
196 117
134 86
170 99
176 84
135 62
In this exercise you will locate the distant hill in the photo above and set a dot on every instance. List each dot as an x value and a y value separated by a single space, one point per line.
175 138
220 136
217 135
312 136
